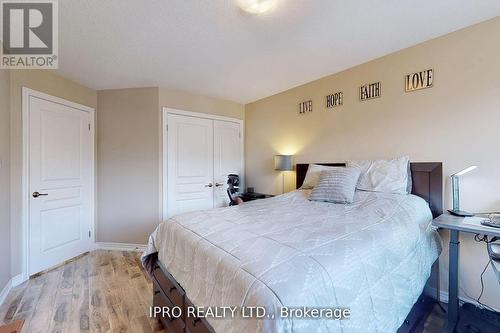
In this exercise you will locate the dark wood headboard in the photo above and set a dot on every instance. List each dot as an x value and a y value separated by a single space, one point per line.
427 178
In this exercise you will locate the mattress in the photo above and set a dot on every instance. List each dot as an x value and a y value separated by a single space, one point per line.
372 257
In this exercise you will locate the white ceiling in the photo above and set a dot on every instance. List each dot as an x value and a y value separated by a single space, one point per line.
213 48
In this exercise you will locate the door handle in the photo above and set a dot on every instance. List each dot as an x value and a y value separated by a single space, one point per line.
38 194
209 185
219 184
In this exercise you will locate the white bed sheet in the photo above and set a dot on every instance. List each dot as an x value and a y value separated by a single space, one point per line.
373 256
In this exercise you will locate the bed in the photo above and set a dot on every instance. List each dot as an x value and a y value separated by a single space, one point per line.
373 257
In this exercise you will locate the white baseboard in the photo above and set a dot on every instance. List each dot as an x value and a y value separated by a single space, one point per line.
120 246
17 280
13 282
5 291
443 297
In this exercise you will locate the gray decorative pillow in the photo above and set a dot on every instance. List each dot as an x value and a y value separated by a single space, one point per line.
336 185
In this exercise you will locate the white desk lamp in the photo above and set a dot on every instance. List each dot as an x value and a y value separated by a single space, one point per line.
455 188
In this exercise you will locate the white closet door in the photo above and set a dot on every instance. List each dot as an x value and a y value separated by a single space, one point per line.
60 171
190 164
227 158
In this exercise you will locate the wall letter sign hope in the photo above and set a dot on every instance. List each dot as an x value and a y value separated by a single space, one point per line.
335 99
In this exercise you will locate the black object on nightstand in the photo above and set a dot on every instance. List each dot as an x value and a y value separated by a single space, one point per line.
250 196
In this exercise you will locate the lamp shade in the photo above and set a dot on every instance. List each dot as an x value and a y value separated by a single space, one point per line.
283 162
464 171
455 189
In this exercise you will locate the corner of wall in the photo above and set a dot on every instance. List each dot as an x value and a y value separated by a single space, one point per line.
5 221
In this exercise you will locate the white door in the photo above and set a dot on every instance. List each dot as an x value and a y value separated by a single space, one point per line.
60 183
227 158
189 164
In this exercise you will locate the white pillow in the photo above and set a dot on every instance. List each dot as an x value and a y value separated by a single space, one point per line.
336 185
389 176
312 175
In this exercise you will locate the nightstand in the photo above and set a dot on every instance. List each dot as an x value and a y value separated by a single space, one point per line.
254 196
456 225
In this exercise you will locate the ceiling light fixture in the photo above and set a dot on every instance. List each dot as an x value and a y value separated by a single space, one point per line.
257 6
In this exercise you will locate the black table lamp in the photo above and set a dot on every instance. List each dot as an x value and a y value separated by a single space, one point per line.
455 188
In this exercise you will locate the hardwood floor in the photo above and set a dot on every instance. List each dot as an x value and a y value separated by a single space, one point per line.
436 321
103 291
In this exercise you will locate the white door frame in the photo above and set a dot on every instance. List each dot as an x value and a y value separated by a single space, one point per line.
26 94
164 145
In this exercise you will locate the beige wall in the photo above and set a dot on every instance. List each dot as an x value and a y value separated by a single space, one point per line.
128 157
127 164
4 179
455 122
49 83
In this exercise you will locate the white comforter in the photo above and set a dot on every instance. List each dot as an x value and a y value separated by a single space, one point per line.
373 257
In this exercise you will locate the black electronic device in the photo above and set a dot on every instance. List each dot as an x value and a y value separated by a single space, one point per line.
233 187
